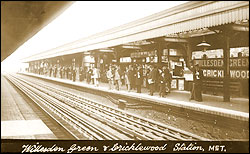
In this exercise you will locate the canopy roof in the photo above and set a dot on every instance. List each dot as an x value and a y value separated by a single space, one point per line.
186 17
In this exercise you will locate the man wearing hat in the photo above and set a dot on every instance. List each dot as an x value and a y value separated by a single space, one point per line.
197 75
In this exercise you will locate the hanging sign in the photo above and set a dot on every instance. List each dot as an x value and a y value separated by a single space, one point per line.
143 54
125 60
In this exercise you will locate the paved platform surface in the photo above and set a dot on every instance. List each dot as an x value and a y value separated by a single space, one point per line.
18 120
237 108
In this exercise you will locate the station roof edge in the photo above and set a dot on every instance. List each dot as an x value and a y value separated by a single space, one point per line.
157 16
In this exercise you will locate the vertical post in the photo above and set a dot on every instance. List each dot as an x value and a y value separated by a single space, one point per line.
117 56
82 60
169 65
159 52
226 80
97 59
189 55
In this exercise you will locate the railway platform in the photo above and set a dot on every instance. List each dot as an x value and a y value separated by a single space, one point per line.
18 119
22 119
237 108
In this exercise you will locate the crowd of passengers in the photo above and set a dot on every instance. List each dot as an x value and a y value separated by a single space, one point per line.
133 76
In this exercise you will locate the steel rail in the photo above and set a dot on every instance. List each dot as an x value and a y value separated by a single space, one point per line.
68 116
183 135
142 128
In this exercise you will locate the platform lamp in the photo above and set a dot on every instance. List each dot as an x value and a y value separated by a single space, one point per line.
203 44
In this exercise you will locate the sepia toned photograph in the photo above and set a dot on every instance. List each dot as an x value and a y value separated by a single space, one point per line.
124 76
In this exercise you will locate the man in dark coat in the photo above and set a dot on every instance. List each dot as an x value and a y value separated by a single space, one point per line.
157 79
70 72
197 75
89 73
81 74
152 79
61 72
73 74
55 71
162 82
168 77
67 72
133 86
50 70
192 68
130 76
139 79
85 72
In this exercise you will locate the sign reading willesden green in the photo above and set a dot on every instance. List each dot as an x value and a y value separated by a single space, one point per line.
213 67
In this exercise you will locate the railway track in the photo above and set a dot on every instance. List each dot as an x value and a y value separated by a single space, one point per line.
88 119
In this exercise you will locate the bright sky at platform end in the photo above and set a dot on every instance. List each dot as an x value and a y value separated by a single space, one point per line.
82 19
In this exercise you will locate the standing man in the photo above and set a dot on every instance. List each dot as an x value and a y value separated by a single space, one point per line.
61 72
74 73
67 72
133 86
127 78
168 76
197 75
89 74
157 85
50 70
70 72
117 78
110 78
151 79
130 77
162 83
55 71
191 85
84 72
139 78
81 74
96 76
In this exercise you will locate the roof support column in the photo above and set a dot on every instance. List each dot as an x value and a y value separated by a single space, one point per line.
189 55
97 59
117 56
159 51
160 45
226 79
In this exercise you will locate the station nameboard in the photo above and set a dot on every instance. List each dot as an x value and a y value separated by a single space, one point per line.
125 60
143 54
218 62
213 68
235 74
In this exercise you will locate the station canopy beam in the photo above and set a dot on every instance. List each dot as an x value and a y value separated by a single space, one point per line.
190 16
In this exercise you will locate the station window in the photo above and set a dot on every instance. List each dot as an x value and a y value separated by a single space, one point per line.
242 51
218 53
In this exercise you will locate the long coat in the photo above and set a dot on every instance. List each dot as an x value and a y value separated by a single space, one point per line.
109 75
162 79
198 75
152 75
130 76
96 73
117 75
139 77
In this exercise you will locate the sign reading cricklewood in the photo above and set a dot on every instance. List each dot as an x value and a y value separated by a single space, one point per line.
213 68
236 74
